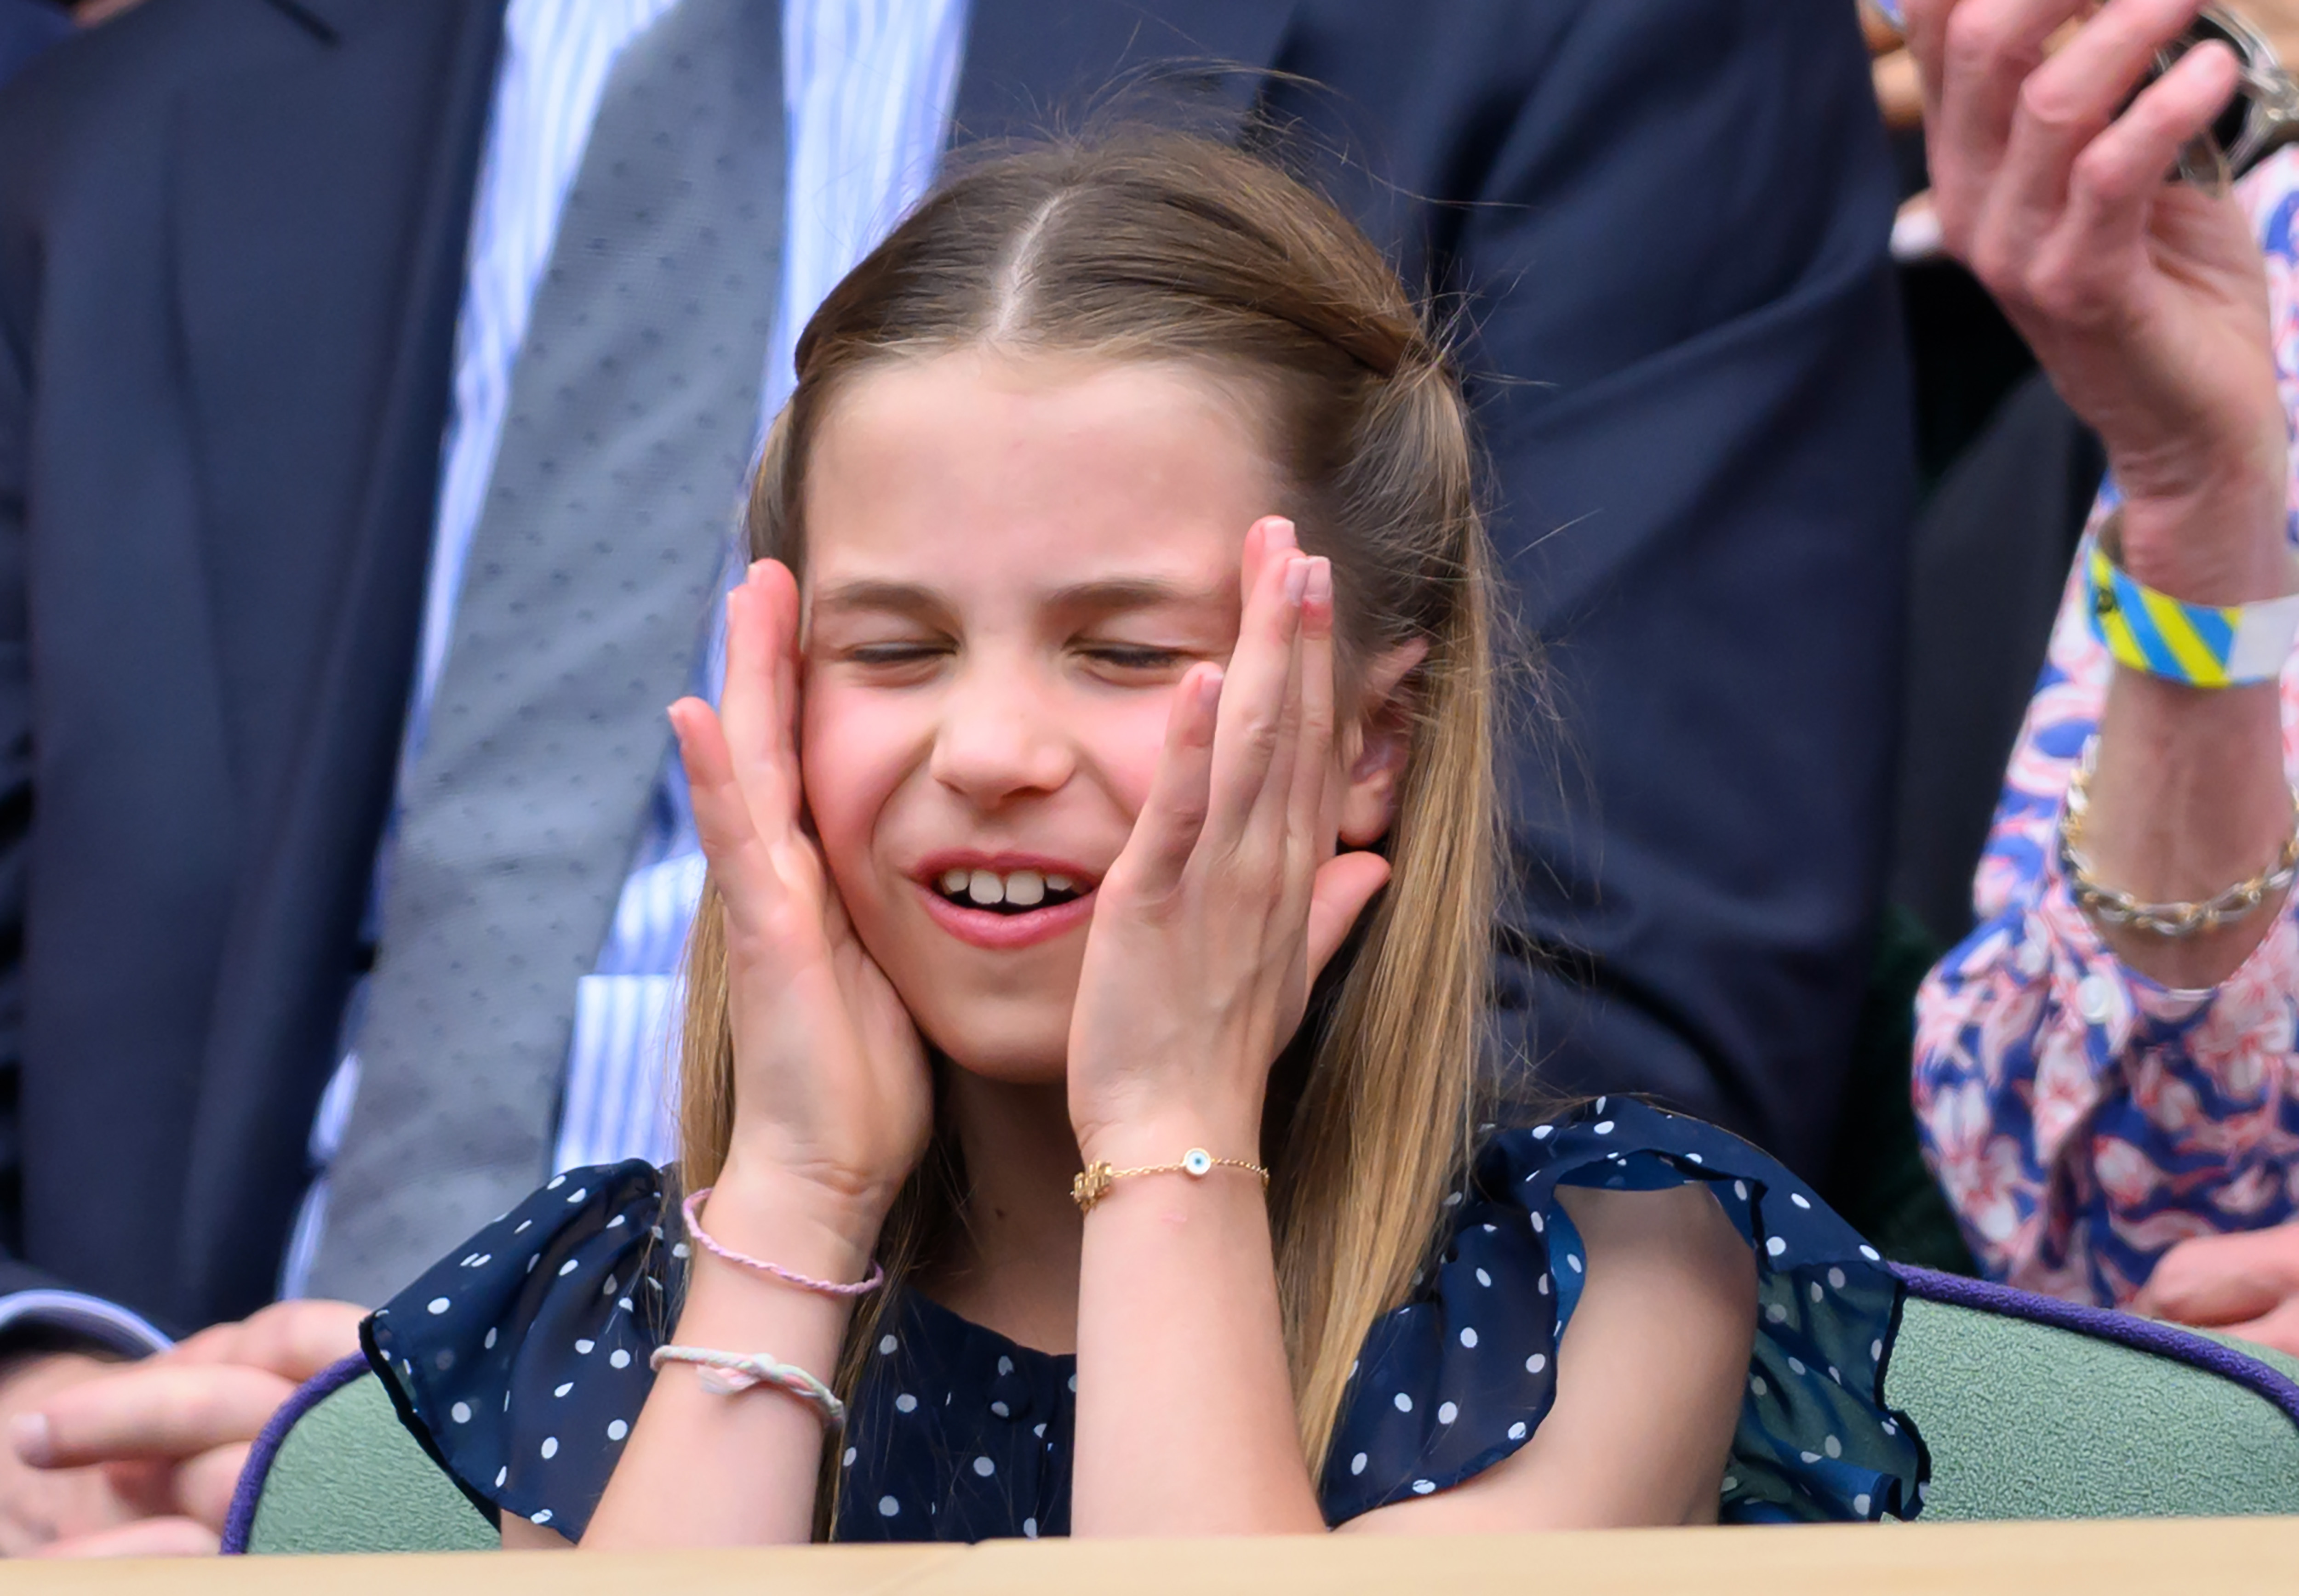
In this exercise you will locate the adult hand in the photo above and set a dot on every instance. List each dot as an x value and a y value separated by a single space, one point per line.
2246 1284
1228 897
139 1458
832 1102
2144 300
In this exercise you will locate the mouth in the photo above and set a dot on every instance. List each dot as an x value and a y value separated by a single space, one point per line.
1007 901
1009 892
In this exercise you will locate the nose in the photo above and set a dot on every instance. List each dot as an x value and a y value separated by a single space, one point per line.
1000 735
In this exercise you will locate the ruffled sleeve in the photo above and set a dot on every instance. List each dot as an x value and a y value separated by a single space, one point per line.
520 1362
1460 1377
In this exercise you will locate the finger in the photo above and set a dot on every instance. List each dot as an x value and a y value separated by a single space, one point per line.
2119 177
1253 697
1272 805
144 1487
203 1485
722 817
2194 1292
1174 816
759 702
145 1538
1345 884
1976 53
295 1340
152 1411
1257 552
2223 1278
2063 105
2278 1330
1304 817
217 1344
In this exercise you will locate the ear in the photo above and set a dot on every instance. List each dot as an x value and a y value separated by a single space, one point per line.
1374 747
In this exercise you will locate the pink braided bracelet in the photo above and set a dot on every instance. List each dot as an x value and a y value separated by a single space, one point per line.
829 1288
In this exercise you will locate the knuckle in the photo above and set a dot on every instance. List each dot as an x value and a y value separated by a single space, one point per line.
2047 101
1995 268
2101 173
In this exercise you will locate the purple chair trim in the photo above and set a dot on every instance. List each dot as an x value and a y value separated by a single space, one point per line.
2105 1324
240 1522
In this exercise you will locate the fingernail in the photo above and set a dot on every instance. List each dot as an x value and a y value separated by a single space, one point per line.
1296 580
1210 686
1321 581
1281 534
29 1434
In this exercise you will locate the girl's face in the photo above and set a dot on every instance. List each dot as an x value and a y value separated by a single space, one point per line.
1010 563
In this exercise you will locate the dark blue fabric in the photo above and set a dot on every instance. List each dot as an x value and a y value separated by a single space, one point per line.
27 28
522 1361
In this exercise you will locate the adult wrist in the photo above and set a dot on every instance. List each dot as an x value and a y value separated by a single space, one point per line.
2219 551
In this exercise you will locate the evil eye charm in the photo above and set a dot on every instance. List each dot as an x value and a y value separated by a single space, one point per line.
1197 1161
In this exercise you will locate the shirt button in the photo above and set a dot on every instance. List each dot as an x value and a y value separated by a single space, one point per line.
2095 1000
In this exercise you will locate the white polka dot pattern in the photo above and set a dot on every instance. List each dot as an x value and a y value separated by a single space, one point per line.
968 1435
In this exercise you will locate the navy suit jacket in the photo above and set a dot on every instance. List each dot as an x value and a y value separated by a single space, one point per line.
231 241
27 28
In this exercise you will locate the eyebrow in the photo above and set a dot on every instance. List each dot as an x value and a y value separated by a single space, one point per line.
1109 597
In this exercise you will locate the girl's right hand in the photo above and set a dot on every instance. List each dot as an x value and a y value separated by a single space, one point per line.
831 1097
2145 301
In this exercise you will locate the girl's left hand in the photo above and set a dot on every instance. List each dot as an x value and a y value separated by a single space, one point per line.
1229 898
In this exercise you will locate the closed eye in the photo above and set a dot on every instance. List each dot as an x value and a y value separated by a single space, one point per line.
905 653
1131 658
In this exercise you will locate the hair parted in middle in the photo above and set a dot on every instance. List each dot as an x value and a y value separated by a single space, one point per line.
1171 248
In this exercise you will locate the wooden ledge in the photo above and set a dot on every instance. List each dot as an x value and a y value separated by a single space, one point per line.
2225 1557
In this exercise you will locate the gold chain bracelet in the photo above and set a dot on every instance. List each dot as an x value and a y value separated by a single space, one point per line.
2173 922
1094 1182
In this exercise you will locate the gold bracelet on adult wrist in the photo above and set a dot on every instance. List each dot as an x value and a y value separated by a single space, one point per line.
2173 922
1094 1182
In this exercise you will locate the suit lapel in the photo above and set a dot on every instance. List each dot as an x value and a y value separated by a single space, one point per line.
321 203
1033 67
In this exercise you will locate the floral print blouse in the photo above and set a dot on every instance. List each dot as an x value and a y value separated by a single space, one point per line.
2083 1117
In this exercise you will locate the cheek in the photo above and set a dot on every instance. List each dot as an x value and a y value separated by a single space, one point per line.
1124 742
854 749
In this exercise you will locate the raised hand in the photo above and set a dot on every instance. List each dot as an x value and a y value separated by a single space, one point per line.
2144 300
1228 897
831 1086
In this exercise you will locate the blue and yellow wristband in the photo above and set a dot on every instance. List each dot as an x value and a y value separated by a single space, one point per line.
2202 645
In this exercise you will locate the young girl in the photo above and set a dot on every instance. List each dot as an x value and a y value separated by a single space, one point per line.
1103 845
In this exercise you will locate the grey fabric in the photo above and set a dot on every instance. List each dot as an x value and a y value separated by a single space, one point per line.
633 412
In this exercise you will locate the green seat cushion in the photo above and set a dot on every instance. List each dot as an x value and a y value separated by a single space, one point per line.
2034 1420
347 1476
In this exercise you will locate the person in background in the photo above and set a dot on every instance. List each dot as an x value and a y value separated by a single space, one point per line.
2106 1068
340 845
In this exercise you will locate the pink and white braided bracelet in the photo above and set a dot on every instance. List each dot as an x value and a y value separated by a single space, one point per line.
726 1374
830 1288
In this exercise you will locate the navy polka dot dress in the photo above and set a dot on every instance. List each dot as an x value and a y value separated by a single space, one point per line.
521 1362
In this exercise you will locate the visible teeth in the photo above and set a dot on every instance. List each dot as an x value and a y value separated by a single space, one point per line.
985 889
953 881
1026 888
1058 883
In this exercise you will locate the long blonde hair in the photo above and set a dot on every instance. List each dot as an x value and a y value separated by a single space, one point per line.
1171 247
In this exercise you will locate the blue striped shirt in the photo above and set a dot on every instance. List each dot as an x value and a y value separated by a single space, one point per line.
867 89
